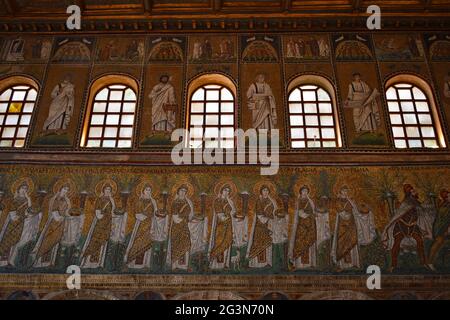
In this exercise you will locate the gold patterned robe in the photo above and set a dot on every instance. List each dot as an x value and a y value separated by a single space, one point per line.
54 231
346 232
262 235
223 237
102 229
305 233
14 229
180 237
142 241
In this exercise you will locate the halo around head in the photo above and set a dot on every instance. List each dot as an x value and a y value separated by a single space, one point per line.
21 181
183 183
143 184
267 183
102 184
225 182
65 182
302 183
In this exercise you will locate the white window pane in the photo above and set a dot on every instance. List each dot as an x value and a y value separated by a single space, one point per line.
298 144
99 107
227 120
6 143
391 94
117 86
102 95
129 107
19 95
393 106
196 132
8 132
295 108
227 132
126 132
398 132
127 119
114 107
32 94
12 119
324 107
3 107
197 107
28 108
430 143
415 143
195 144
313 144
227 144
124 144
427 132
297 133
396 119
22 132
409 118
422 106
95 132
109 143
407 106
116 95
212 120
1 119
311 120
19 143
403 85
130 95
309 87
112 119
212 95
226 94
312 133
328 133
25 120
212 107
404 94
110 132
296 120
323 95
212 86
196 120
329 144
295 96
309 95
97 119
198 95
400 143
310 108
5 95
211 143
211 132
227 107
326 120
93 143
418 94
412 132
424 119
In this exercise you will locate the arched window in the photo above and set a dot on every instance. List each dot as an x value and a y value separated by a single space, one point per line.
17 101
110 121
412 114
312 115
211 120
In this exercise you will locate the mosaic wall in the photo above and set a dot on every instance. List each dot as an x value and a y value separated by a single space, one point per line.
317 220
78 61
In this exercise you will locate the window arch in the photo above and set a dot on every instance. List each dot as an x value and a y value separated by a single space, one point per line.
211 119
412 113
312 113
111 115
17 101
